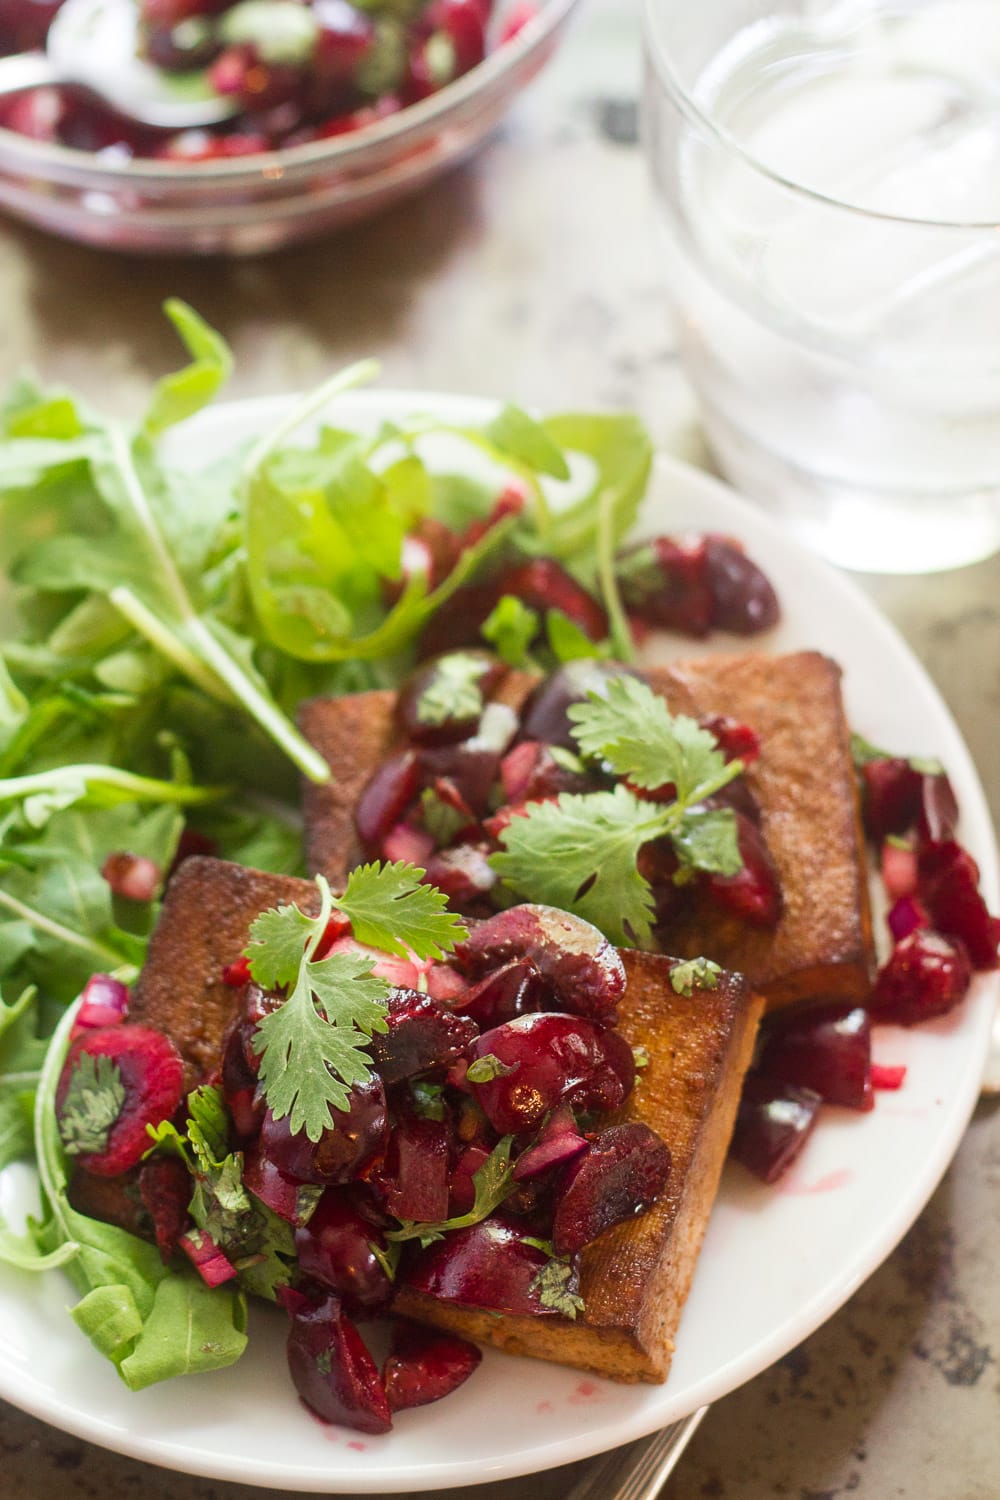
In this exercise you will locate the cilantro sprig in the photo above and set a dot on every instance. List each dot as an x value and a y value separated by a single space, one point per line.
313 1048
581 852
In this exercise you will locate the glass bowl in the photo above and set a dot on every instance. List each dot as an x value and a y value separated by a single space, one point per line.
253 204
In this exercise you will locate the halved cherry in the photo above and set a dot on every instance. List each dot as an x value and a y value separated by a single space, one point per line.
827 1050
331 1368
621 1176
584 971
151 1073
424 1365
492 1265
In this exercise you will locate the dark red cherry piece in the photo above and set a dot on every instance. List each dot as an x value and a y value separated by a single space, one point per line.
336 1246
621 1175
424 1365
489 1265
422 1034
583 970
665 583
926 975
386 797
773 1123
828 1051
331 1368
743 600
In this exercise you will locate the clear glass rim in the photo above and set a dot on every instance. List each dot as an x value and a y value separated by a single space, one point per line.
347 151
657 52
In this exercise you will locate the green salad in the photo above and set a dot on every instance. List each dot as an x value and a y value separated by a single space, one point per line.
159 628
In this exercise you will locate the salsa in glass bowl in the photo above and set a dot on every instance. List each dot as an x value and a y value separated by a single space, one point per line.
340 109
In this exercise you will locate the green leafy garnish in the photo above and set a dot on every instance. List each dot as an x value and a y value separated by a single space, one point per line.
313 1048
454 690
492 1183
555 1284
863 751
694 974
92 1104
510 628
631 729
581 852
441 820
484 1069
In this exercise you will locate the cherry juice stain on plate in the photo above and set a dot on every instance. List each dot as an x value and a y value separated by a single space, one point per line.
793 1185
586 1393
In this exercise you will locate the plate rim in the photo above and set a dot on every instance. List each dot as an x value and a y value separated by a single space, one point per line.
390 1477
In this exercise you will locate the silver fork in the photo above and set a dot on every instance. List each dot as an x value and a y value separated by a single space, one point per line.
637 1471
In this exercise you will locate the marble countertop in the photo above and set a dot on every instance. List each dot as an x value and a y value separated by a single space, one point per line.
533 270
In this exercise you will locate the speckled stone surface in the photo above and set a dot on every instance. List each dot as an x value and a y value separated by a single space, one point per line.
534 271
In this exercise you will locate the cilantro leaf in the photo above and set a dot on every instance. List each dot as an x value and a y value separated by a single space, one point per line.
492 1183
705 839
579 853
632 730
92 1105
308 1064
277 944
390 908
694 974
557 1285
453 691
510 628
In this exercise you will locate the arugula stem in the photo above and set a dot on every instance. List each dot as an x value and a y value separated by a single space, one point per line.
121 454
223 666
259 706
166 642
621 634
45 1122
138 788
345 380
104 955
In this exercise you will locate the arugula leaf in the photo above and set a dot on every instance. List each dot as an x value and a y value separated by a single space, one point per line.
492 1183
190 1329
94 1099
515 434
391 908
182 394
510 629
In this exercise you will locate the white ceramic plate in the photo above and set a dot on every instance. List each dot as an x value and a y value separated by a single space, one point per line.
776 1262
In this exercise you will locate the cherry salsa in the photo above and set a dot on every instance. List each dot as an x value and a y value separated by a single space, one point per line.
482 1155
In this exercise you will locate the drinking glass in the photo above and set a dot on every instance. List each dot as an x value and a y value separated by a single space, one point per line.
828 177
